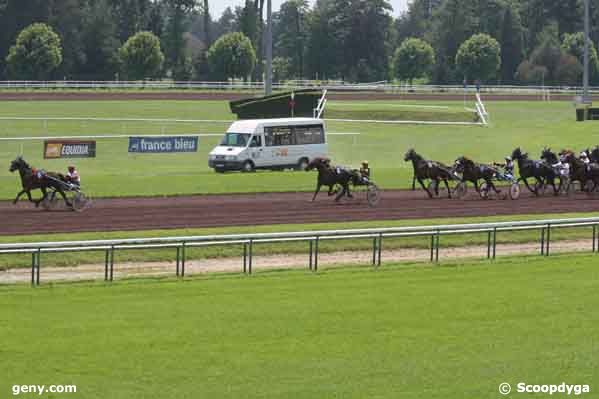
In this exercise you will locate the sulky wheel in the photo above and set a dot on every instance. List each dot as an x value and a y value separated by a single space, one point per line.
80 202
484 191
514 191
373 195
460 190
50 202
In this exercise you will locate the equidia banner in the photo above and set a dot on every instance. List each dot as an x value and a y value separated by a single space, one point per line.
163 144
69 149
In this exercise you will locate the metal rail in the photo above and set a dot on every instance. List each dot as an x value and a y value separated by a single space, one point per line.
248 241
390 87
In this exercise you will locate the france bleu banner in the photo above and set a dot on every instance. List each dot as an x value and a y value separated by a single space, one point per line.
163 144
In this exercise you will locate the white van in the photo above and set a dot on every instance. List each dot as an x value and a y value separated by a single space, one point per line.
270 144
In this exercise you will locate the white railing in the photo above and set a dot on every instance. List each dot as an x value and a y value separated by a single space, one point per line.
388 87
180 244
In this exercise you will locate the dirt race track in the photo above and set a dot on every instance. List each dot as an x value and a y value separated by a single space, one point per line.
263 209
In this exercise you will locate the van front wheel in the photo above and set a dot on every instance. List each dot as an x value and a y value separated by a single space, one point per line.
302 164
248 166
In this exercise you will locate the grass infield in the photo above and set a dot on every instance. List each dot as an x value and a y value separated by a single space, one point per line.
447 332
115 172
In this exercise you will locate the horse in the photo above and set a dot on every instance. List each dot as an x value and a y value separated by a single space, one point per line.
536 169
561 170
594 155
29 181
435 171
473 172
328 176
579 171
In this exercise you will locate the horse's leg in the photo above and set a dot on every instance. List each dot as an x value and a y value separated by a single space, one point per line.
555 189
437 182
414 182
19 195
476 186
344 190
492 185
64 197
527 185
45 193
430 195
447 186
318 185
331 192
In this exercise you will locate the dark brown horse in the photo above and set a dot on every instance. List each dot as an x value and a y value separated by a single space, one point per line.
328 176
473 172
30 181
579 171
435 171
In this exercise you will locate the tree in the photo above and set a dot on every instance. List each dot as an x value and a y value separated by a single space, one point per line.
141 56
413 59
479 57
36 54
512 43
231 56
291 34
573 44
174 40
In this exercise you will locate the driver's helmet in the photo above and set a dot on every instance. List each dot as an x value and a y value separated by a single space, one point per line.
365 164
71 168
583 155
508 159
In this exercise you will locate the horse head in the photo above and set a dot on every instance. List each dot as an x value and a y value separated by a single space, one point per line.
460 164
17 164
548 156
317 163
411 155
518 154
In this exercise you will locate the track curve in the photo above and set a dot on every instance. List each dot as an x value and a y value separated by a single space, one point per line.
271 208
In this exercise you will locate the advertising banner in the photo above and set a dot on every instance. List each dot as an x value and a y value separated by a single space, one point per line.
163 144
69 149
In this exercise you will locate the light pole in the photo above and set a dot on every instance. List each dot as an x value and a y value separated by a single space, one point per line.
585 78
268 72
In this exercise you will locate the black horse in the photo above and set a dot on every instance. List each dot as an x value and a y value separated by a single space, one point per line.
594 155
580 171
29 181
435 171
328 176
540 171
473 172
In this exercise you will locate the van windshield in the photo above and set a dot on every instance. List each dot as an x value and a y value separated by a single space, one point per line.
235 140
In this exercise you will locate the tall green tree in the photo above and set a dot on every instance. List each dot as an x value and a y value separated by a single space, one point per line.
232 56
292 35
67 19
479 57
415 58
573 44
36 54
512 44
141 56
177 58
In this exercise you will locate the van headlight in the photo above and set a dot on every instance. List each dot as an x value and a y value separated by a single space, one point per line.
231 158
212 157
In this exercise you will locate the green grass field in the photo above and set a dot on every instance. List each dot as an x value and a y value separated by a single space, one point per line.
116 173
455 331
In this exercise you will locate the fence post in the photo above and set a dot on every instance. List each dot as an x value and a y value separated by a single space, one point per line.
33 254
380 248
489 244
106 258
432 246
111 262
310 264
374 250
543 241
250 263
245 257
548 239
494 241
183 250
178 259
37 276
316 254
437 247
594 238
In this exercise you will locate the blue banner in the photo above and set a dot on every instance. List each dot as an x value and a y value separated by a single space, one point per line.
163 144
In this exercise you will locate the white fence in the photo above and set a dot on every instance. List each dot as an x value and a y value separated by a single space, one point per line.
247 241
386 87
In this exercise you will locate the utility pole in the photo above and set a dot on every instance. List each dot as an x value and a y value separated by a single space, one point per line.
268 45
585 79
